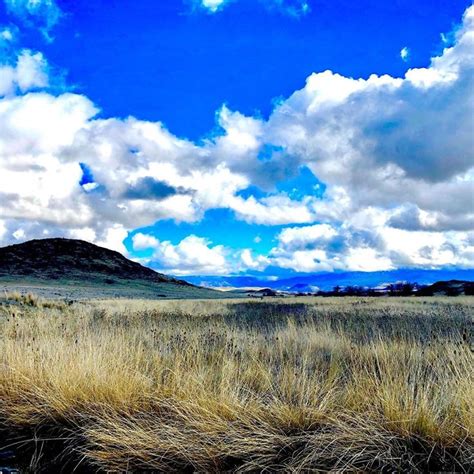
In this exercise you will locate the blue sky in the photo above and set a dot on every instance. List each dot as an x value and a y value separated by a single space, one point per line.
174 62
209 137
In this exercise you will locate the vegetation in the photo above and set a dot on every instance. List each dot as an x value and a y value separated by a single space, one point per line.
312 384
440 288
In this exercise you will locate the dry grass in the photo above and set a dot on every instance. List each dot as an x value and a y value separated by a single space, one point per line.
294 385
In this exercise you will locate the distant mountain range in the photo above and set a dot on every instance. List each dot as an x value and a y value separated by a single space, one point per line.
87 270
327 281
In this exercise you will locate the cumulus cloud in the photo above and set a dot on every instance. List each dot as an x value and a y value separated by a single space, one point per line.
327 248
30 72
410 217
395 154
389 141
251 262
193 255
322 247
273 210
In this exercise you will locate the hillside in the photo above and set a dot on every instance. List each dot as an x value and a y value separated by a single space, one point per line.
450 288
75 267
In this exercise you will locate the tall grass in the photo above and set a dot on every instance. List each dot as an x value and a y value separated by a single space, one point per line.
293 385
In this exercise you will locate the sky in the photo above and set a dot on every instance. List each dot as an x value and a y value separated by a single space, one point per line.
242 137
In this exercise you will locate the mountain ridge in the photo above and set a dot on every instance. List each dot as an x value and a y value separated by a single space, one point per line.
328 280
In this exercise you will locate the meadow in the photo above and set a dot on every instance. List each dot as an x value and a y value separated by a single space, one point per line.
292 385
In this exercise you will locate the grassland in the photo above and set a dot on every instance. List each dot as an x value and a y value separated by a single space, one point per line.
85 289
335 384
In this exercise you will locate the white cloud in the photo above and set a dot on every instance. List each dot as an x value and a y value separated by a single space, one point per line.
324 248
405 53
373 138
113 238
274 210
366 259
252 262
193 255
304 235
30 72
144 242
213 5
6 34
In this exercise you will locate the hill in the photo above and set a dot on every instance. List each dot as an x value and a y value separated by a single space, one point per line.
449 288
78 269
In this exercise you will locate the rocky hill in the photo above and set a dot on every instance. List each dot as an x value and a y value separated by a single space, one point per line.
67 263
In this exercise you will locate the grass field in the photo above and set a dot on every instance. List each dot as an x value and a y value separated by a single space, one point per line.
291 385
119 289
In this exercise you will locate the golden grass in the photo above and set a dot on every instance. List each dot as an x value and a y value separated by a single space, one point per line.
292 385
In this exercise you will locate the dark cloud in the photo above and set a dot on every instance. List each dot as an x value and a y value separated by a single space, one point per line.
410 218
428 134
151 189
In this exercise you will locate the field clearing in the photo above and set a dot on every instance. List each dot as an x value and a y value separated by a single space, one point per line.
293 385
